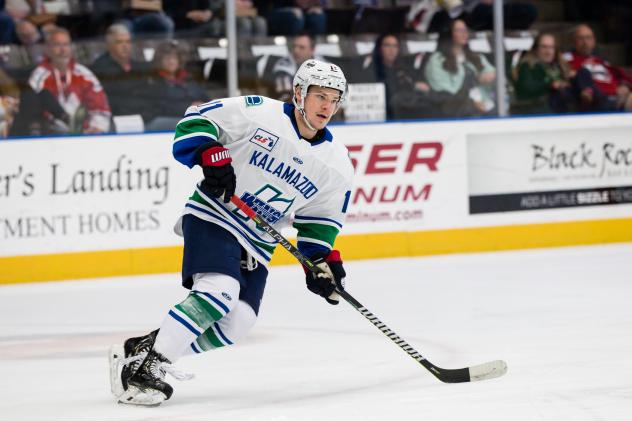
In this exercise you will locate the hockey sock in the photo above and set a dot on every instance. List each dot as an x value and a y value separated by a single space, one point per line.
227 331
210 300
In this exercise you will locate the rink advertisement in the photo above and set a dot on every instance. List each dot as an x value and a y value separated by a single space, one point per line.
96 206
83 194
550 169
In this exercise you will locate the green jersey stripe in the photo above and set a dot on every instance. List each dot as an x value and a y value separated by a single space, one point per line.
324 233
196 125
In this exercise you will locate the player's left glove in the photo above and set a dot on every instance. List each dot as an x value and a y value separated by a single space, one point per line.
330 277
219 175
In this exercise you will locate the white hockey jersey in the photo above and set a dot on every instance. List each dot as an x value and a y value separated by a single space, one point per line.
279 174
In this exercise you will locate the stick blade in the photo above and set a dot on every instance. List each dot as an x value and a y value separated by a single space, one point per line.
488 370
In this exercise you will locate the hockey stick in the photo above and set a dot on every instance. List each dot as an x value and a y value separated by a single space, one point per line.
484 371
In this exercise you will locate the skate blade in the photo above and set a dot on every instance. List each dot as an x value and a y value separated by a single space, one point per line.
116 353
136 396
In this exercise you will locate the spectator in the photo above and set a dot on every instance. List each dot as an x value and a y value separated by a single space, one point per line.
19 9
302 47
9 100
30 37
542 81
435 16
290 17
32 10
27 33
170 89
432 16
405 97
466 76
149 20
249 23
74 87
7 26
196 18
143 19
601 86
122 77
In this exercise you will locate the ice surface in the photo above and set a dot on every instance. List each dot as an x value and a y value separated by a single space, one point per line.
561 318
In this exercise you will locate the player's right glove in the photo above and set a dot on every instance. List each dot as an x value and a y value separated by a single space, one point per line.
219 175
331 276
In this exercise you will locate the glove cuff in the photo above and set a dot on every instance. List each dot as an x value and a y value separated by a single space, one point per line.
333 256
213 154
320 257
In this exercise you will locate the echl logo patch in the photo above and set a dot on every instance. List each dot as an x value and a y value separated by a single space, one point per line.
264 139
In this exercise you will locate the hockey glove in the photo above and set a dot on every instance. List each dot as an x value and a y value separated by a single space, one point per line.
330 277
219 175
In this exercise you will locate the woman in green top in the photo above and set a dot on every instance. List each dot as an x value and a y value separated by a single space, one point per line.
542 80
464 77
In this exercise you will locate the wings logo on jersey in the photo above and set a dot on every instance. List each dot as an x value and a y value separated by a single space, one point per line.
267 202
264 139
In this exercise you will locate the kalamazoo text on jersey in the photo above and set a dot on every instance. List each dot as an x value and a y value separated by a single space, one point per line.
285 172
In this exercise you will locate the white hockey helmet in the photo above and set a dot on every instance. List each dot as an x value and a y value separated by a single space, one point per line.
315 72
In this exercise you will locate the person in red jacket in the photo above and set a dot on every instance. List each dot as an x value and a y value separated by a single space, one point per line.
74 86
601 85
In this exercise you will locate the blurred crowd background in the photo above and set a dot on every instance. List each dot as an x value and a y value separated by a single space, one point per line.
104 66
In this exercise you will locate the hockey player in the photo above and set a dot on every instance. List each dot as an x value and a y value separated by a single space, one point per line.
281 160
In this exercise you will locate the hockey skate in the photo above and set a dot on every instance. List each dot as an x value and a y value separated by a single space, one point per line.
125 360
147 386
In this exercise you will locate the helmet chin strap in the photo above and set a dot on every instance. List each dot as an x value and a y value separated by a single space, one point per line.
301 109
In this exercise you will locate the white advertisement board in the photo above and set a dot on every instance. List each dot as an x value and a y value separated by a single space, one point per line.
545 169
96 193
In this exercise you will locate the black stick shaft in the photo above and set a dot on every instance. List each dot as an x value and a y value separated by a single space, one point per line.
448 376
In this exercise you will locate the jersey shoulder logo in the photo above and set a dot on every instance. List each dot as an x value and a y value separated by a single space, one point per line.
253 100
264 139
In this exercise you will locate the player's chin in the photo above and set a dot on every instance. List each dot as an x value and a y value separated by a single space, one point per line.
320 122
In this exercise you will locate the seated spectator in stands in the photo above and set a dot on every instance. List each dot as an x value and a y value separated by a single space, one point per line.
405 96
542 81
170 89
196 18
31 38
466 76
302 47
249 23
432 16
32 10
435 16
7 26
27 33
289 17
73 86
19 9
122 77
9 100
150 20
603 87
